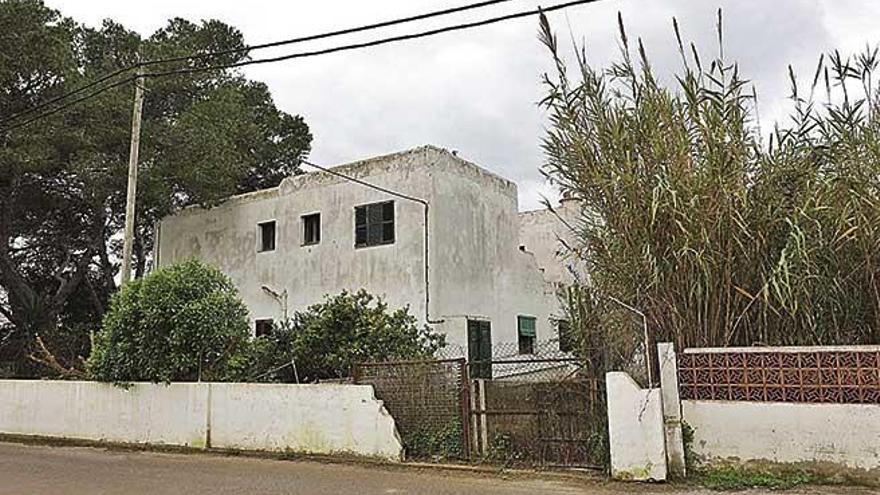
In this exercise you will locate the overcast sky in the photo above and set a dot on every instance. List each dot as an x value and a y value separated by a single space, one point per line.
476 91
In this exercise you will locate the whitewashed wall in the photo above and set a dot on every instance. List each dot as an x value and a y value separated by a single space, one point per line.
635 429
842 435
317 419
172 415
476 268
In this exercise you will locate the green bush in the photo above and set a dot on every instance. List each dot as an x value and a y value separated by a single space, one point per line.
184 322
329 338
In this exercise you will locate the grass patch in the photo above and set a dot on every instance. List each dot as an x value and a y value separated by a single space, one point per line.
739 478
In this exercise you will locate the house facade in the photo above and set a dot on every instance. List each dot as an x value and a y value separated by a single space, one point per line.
423 228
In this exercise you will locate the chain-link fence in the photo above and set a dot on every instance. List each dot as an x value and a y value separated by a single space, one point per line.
429 402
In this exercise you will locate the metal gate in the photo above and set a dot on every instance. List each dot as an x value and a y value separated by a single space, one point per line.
540 412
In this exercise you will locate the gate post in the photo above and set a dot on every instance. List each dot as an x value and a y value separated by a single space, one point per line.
635 429
466 407
671 410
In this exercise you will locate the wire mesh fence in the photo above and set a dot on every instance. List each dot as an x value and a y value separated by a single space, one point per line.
541 408
428 400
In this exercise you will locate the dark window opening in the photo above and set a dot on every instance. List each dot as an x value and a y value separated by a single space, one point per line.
526 334
374 224
480 348
263 327
267 236
566 338
311 229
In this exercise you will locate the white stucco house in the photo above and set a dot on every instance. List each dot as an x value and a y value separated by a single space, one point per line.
423 228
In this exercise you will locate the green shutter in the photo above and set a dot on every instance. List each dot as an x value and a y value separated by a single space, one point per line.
526 326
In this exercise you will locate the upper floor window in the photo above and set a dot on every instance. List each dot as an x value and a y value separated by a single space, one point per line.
267 236
374 224
311 229
526 334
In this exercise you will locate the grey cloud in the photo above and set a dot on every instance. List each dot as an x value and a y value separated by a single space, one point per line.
477 91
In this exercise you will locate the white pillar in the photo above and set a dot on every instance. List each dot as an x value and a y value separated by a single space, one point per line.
671 410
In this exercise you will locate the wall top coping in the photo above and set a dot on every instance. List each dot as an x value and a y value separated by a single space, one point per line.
784 349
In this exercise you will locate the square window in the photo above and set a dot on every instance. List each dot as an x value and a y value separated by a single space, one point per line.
263 327
566 338
374 224
526 334
267 236
311 229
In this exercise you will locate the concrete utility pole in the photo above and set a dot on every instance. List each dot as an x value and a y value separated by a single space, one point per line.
128 240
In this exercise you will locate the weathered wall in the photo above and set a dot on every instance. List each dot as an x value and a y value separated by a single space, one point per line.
540 232
172 415
827 436
318 419
321 419
635 429
814 407
476 269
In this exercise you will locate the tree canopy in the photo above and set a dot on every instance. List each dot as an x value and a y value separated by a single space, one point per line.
205 136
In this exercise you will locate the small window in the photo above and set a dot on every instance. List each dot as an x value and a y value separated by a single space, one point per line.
374 224
526 334
263 327
566 338
267 236
311 229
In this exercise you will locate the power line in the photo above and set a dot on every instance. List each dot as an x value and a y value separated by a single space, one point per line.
249 48
355 46
382 41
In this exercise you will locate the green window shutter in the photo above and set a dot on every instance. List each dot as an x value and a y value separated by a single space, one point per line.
526 326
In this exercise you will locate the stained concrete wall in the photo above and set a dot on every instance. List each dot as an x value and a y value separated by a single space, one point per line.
173 415
318 419
635 430
831 437
322 419
475 267
546 233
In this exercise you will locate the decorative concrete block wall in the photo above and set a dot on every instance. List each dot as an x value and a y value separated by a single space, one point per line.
814 407
317 419
635 430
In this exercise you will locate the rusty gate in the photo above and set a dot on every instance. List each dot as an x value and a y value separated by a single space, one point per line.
540 412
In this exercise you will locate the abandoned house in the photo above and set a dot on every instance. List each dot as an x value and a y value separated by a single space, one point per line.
423 228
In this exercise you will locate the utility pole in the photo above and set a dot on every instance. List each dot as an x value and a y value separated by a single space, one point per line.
128 240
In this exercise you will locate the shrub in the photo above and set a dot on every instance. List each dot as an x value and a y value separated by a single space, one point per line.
329 338
180 323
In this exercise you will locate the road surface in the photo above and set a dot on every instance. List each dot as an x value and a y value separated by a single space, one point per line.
39 470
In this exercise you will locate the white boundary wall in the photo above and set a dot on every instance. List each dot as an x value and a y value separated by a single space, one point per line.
842 435
635 429
316 419
827 438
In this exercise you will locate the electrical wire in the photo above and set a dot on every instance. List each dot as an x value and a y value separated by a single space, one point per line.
326 51
250 48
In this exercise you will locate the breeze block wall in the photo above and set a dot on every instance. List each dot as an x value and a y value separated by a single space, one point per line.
812 407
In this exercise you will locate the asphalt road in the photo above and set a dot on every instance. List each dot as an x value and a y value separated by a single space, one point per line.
38 470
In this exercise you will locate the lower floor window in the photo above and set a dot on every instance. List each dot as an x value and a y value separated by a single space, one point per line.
526 334
263 327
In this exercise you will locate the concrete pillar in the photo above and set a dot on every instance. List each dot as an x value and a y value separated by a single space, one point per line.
671 410
635 430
